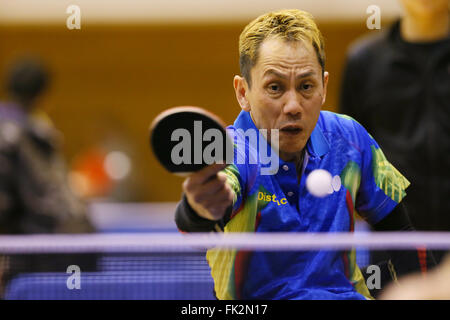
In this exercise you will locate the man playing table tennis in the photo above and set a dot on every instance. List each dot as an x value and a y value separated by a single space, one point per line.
283 86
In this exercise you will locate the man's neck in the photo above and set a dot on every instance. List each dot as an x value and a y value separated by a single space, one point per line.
425 29
291 157
297 158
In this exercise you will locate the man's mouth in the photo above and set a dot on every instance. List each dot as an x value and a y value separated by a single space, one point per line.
291 129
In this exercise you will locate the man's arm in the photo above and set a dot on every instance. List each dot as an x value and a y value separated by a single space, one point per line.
401 262
405 261
188 220
207 201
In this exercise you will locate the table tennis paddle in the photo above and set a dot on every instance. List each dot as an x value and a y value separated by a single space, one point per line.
186 139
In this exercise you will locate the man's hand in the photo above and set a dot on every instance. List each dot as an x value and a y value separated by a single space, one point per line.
208 192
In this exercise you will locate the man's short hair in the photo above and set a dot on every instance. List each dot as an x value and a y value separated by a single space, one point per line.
290 25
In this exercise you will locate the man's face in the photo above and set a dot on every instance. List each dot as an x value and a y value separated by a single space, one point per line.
287 92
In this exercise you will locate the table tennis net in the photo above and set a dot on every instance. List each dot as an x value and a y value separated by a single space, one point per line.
156 266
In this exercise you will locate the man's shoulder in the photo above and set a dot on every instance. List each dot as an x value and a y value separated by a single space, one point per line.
341 126
332 121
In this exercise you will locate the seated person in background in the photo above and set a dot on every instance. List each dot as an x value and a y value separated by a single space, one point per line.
34 192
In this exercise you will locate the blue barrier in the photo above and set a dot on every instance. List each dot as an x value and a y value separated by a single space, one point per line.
135 285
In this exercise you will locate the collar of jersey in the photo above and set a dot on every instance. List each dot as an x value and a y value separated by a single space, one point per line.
317 144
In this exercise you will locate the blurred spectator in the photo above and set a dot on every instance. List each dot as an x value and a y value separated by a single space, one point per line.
397 85
34 193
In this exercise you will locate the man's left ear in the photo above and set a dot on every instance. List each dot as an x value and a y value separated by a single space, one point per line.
325 84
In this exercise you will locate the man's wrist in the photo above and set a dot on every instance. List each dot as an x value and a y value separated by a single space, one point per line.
195 214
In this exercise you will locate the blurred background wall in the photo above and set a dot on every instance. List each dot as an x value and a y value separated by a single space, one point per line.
132 59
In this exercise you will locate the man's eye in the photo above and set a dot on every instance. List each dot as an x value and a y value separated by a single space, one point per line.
306 86
274 88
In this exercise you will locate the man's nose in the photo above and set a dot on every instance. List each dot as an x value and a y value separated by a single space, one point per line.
292 103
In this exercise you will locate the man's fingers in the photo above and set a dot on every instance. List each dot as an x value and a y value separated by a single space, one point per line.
209 189
222 198
196 180
208 192
206 173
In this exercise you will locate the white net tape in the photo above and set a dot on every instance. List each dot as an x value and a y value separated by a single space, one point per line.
243 241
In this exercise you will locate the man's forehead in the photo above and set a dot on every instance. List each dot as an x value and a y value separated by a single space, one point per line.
284 73
278 57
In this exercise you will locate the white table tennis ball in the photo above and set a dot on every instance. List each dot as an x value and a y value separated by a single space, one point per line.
318 183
